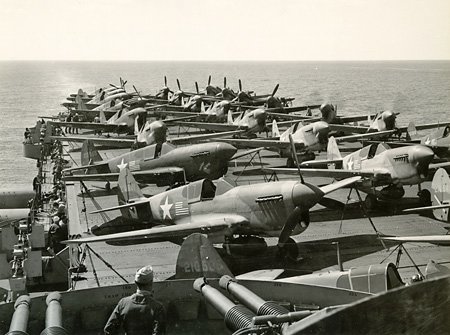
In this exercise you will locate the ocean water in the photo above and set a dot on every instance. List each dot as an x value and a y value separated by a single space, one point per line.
418 90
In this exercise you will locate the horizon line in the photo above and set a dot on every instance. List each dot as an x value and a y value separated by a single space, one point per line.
224 60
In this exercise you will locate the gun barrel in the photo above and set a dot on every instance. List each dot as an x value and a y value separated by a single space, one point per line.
236 316
19 321
255 303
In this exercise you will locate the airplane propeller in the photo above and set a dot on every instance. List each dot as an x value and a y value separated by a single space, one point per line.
209 80
275 90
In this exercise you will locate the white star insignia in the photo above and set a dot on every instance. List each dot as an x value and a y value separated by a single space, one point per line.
122 165
166 209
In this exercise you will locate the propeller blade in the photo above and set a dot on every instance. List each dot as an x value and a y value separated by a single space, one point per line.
113 85
295 158
196 87
165 81
240 85
224 82
332 204
275 89
209 80
137 92
178 84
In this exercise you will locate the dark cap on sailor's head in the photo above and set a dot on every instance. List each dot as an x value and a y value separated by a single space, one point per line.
144 275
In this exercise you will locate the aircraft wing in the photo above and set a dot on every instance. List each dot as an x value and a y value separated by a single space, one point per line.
209 126
106 127
439 165
294 117
285 110
434 239
203 137
427 126
358 137
353 118
152 176
348 128
257 143
426 208
122 142
331 173
205 224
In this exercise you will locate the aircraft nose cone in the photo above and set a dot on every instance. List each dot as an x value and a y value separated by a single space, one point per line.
225 150
421 157
260 116
389 119
421 154
306 195
160 130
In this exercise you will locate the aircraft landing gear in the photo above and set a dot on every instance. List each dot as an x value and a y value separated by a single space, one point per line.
108 186
424 197
371 201
289 250
245 245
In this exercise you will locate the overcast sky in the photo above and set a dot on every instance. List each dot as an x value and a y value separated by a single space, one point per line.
224 29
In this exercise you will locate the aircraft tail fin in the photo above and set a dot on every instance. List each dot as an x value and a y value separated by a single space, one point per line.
412 131
89 154
198 258
128 192
79 100
230 117
102 117
202 108
440 194
137 130
275 130
333 152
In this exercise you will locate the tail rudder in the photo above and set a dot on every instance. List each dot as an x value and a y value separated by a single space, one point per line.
412 131
230 117
440 194
89 155
275 130
79 100
129 191
198 258
333 152
102 117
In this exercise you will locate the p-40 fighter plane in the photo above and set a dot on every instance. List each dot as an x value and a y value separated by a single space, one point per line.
248 123
222 210
379 165
120 122
158 163
307 139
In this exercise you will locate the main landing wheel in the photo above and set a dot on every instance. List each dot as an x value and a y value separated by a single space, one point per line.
424 197
371 201
289 250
